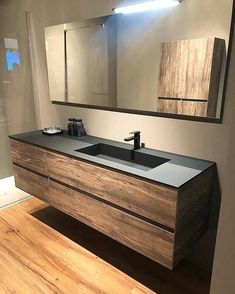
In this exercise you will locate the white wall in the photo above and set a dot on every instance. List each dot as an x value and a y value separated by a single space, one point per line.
223 272
202 140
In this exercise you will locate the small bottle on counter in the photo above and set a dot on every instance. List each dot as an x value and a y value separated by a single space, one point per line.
82 128
71 126
79 129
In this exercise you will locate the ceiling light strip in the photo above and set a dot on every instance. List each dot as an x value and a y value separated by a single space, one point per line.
146 6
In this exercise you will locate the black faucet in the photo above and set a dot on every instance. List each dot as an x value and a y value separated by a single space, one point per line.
136 139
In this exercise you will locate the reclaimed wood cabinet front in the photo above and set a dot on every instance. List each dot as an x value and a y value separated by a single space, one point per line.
144 237
155 202
189 77
158 221
31 183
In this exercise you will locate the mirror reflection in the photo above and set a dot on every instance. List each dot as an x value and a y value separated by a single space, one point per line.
169 60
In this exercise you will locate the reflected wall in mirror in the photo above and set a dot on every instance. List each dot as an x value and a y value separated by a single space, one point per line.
169 61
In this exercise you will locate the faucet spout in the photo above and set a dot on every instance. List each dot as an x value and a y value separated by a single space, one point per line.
136 139
129 139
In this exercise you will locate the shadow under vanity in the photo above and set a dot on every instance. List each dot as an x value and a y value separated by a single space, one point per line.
154 202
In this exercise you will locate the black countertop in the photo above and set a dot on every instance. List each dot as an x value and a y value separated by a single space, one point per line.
175 173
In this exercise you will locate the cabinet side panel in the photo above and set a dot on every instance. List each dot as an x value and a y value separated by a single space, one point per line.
192 212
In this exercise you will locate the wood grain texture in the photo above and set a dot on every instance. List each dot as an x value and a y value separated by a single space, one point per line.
91 263
29 156
135 233
193 208
192 191
196 108
35 258
168 105
153 201
31 182
191 69
124 207
139 235
219 57
31 205
185 70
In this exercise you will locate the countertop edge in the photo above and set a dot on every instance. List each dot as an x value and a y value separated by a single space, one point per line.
143 178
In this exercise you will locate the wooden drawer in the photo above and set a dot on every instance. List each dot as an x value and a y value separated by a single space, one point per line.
29 156
31 183
135 233
153 201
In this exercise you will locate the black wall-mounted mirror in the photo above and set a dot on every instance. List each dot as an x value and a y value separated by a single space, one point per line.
171 62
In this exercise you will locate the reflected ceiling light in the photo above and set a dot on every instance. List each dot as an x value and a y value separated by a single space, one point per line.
146 6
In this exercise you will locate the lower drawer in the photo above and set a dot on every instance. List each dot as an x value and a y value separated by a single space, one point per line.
133 232
31 183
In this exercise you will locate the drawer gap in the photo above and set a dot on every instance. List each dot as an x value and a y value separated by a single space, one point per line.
30 170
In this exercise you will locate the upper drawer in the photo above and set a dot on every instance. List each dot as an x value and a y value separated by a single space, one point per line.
29 156
153 201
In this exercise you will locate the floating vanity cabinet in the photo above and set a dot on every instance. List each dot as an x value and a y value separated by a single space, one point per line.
189 77
156 220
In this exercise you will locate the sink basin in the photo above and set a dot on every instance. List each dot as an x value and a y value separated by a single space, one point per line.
124 156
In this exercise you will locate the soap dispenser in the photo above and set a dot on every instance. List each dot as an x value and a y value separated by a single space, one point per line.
79 129
71 126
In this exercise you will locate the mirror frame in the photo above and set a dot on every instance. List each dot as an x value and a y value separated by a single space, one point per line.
171 115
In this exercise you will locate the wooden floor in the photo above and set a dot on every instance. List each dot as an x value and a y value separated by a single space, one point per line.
45 251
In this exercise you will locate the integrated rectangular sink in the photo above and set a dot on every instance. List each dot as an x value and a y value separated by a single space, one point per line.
124 156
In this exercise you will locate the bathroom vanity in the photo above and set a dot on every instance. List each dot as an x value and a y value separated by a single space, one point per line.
154 202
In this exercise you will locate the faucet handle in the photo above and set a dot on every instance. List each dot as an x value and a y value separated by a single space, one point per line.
134 133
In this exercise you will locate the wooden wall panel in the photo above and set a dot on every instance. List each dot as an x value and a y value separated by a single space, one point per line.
199 53
183 107
168 105
193 108
191 70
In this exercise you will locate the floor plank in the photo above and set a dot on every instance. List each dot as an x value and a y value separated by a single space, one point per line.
43 250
